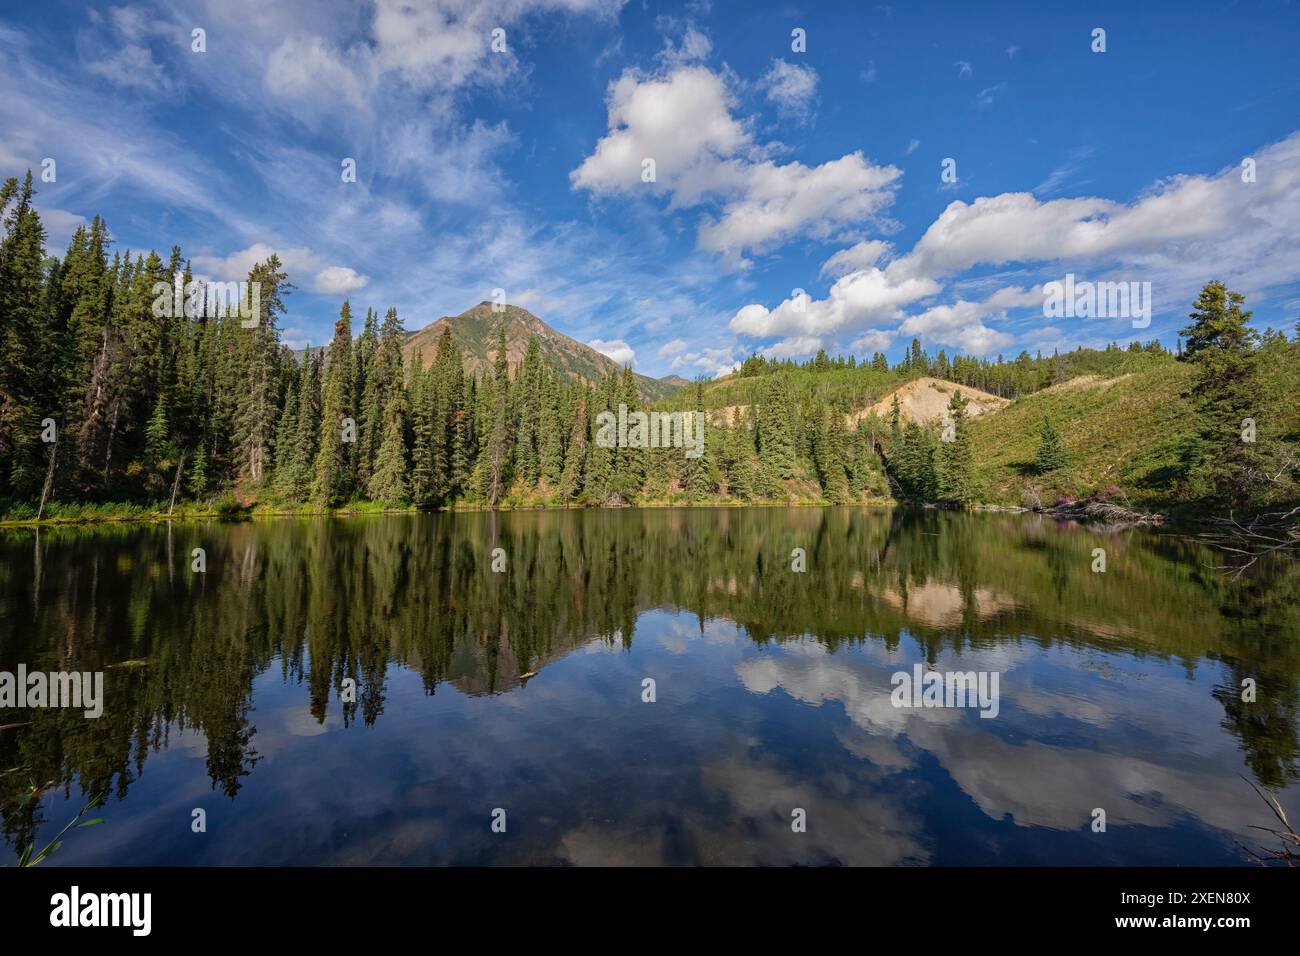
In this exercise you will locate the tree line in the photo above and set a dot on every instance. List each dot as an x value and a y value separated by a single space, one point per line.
104 397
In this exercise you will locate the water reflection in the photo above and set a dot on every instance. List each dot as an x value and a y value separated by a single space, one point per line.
1119 690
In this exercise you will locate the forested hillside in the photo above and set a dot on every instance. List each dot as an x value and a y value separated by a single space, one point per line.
109 403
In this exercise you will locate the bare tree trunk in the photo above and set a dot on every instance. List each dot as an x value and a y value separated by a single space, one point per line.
176 483
49 480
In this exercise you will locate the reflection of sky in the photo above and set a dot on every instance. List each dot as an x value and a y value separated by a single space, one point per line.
740 735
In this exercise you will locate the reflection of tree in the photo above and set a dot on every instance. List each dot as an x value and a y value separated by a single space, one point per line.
1265 727
325 600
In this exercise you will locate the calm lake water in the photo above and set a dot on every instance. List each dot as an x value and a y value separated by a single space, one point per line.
523 691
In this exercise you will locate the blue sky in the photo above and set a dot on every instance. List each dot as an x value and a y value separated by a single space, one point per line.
775 169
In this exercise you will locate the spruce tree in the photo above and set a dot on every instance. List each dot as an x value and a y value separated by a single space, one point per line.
551 425
331 480
1222 349
388 475
956 457
575 459
497 449
1051 454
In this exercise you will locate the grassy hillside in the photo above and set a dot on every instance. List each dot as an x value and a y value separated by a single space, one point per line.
1120 431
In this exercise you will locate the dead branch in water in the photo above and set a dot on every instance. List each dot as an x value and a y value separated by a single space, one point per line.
1289 853
1253 539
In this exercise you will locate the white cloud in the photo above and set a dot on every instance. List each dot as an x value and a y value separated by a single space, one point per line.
801 346
784 201
1178 234
134 67
861 256
307 68
237 264
714 361
963 69
339 280
695 47
792 88
616 349
986 96
672 348
59 227
912 147
328 280
854 300
872 340
435 47
683 121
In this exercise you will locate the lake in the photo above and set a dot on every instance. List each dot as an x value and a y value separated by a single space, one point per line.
521 696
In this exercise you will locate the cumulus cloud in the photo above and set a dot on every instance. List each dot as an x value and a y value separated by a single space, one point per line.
861 256
792 88
329 280
339 280
237 264
714 361
856 299
683 120
795 348
672 348
616 349
782 201
872 340
306 67
695 46
1174 235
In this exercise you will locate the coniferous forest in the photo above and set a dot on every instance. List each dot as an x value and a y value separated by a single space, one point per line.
109 402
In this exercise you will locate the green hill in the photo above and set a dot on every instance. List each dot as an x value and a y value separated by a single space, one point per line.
1121 431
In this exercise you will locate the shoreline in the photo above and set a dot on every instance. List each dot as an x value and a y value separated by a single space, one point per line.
255 512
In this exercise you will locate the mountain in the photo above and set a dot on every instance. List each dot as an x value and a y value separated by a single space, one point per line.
475 331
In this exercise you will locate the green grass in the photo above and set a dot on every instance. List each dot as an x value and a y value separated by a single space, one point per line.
1120 431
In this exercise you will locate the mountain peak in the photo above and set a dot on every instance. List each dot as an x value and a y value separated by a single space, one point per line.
475 331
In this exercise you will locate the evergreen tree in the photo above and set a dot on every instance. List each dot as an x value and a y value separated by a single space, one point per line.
528 414
776 427
388 478
575 459
956 457
496 452
1222 349
331 480
1051 454
551 444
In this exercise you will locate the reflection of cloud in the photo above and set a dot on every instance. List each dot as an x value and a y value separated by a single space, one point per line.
863 692
1037 783
594 845
847 822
